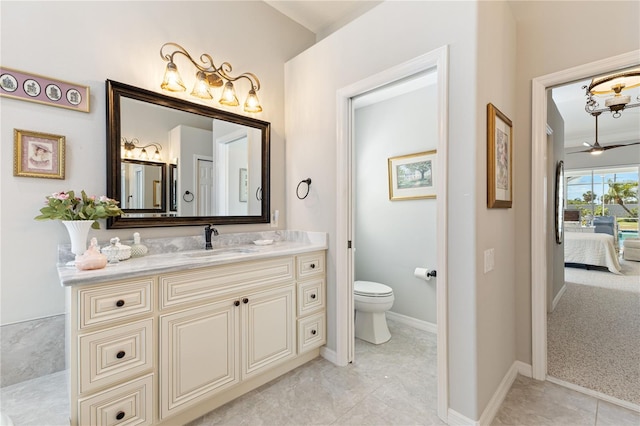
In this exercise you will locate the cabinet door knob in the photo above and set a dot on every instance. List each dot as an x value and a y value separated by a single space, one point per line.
120 415
245 300
120 354
236 303
312 266
313 332
313 296
120 303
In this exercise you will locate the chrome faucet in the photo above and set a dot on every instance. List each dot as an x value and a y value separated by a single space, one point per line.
208 230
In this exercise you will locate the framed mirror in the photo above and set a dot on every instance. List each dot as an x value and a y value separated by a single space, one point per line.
217 162
559 202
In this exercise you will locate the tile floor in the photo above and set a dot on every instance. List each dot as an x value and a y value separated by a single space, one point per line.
390 384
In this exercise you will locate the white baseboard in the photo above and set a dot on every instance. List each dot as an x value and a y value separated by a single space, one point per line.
456 419
329 354
524 369
625 404
412 322
490 411
557 298
496 400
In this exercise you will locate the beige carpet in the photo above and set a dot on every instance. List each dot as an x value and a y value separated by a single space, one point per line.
593 336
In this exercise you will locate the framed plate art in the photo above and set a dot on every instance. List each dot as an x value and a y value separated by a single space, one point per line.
44 90
38 154
499 159
412 176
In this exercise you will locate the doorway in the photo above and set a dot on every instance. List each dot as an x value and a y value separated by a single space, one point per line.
539 205
437 61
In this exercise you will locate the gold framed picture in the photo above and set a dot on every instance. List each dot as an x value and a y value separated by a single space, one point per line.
412 176
37 154
499 159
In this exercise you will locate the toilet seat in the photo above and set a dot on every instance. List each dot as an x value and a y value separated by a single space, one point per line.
371 289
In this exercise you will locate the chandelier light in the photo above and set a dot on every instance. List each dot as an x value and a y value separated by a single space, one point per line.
209 77
129 147
613 84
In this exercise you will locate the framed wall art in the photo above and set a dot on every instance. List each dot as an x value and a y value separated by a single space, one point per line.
499 159
38 154
412 176
37 88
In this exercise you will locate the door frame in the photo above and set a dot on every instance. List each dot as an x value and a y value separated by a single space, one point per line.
539 207
437 59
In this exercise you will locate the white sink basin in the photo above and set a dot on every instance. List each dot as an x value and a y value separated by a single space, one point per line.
218 252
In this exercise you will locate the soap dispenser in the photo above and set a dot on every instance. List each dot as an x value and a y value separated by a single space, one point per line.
138 249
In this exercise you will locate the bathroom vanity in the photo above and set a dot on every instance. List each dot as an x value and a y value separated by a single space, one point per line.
168 337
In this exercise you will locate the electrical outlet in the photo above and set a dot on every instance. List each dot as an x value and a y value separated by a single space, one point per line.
489 260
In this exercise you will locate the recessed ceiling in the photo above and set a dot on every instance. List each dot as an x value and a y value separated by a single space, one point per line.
322 17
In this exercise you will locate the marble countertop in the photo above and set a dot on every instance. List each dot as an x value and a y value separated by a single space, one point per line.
184 253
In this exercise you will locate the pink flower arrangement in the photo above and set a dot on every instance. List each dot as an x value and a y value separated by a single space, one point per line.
66 206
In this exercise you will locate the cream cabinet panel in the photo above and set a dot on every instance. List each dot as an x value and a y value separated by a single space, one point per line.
312 332
115 301
223 281
311 297
268 329
310 265
115 354
198 352
129 404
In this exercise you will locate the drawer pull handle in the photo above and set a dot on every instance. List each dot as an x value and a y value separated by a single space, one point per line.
120 303
313 296
236 303
245 300
313 332
120 354
312 266
120 415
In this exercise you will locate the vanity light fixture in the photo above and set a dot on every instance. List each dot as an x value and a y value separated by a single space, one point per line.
613 84
129 147
208 76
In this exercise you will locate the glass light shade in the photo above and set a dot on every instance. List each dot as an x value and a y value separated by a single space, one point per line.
252 104
597 152
229 97
615 83
201 88
156 156
143 154
172 80
128 153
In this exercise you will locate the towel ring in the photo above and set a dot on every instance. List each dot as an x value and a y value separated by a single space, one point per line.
188 196
308 182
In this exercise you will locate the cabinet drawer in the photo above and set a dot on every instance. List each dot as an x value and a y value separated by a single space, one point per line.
115 301
115 354
311 332
311 296
310 265
222 281
128 404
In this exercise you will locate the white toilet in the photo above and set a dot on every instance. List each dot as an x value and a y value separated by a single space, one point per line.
372 300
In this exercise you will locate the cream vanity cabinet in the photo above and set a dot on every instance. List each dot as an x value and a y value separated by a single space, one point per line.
212 334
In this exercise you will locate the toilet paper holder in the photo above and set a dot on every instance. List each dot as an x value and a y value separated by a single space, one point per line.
425 273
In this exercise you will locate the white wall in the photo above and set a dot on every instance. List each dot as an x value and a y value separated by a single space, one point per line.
392 238
551 38
87 43
481 309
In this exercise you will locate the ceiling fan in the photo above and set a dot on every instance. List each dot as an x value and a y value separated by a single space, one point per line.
596 148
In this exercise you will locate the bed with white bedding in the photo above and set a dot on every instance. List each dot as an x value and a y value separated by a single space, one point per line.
591 249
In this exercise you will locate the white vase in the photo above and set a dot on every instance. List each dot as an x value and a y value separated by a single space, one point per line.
78 232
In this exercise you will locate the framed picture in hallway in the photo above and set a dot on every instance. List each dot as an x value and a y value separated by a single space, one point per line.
412 176
38 154
499 159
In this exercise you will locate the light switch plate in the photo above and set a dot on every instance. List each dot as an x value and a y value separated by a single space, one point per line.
489 260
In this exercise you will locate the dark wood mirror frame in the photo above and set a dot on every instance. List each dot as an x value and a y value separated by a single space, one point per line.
114 92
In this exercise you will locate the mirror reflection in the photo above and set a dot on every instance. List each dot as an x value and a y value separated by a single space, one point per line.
143 184
216 162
